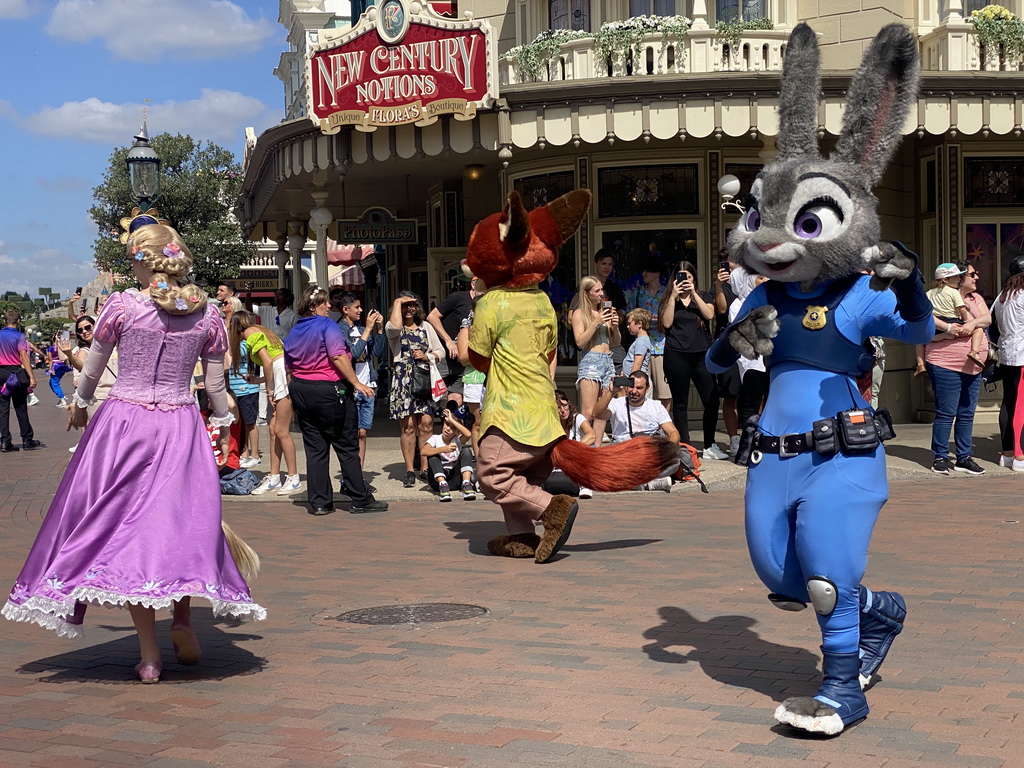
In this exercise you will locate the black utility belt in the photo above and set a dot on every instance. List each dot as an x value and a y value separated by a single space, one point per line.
850 432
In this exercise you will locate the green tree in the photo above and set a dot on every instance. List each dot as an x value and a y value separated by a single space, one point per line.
199 183
50 326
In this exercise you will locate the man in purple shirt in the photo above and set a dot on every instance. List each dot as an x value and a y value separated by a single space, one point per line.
14 358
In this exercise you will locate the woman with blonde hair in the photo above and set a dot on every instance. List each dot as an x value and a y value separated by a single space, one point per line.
595 326
136 519
265 349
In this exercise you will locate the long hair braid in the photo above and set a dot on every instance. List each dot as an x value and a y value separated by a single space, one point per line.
162 251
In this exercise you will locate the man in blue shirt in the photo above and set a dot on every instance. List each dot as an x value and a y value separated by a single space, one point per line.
365 343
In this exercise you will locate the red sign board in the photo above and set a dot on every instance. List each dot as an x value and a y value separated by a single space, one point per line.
433 67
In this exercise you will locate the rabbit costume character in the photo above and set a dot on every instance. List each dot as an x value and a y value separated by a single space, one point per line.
816 479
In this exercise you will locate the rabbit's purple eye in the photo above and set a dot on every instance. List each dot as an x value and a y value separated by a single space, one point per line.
752 220
817 220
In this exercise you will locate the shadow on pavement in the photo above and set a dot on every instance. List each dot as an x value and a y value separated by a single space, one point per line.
477 533
729 652
114 661
601 546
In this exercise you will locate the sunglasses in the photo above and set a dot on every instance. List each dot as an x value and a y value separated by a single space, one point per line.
84 328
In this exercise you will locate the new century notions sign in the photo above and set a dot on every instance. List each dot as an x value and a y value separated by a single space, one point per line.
396 67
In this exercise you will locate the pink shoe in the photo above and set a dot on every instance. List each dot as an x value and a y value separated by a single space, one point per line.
186 644
148 671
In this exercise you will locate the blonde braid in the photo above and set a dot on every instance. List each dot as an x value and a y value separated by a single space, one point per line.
162 251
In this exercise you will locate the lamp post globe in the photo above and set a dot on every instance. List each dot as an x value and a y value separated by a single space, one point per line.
143 169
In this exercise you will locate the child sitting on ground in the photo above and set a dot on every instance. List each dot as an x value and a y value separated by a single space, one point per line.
948 305
449 457
638 357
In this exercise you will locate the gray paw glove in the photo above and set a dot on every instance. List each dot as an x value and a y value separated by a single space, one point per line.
888 263
752 336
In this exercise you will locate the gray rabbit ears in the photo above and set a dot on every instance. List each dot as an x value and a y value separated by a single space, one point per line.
880 97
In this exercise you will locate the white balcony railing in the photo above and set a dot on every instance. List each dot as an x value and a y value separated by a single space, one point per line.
953 47
696 52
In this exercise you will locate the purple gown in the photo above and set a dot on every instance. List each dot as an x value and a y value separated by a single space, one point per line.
137 515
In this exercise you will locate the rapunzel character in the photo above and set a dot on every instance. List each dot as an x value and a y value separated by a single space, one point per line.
136 519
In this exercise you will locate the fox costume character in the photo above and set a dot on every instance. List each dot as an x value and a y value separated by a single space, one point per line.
811 225
513 339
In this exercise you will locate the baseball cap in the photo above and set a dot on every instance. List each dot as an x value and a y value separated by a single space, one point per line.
948 270
1017 266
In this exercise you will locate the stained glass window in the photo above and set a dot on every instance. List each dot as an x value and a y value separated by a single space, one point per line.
993 182
647 190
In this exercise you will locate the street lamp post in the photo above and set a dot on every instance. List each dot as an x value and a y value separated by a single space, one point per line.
143 169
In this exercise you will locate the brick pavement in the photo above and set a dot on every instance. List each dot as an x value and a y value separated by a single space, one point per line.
648 643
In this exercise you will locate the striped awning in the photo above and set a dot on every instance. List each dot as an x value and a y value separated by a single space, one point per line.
350 277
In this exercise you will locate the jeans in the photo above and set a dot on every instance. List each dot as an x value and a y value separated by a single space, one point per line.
453 474
956 397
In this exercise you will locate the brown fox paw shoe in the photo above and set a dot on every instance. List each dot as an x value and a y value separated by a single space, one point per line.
557 519
514 545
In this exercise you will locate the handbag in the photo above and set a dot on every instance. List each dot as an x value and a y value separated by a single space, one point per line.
438 389
420 380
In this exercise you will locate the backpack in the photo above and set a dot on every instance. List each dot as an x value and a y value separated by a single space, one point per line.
689 466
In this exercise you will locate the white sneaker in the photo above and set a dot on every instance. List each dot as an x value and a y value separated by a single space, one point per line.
32 399
714 452
1017 465
73 448
249 462
660 484
734 445
62 403
268 483
291 485
586 493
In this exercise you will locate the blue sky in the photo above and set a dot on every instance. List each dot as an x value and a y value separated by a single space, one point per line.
77 73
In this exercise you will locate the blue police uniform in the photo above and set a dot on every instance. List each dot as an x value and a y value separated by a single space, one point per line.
809 515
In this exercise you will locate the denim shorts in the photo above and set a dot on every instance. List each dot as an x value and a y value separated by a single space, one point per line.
596 366
364 410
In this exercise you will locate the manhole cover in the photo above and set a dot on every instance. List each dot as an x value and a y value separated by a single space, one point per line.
420 613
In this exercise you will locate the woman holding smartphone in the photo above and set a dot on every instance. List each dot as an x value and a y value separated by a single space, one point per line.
684 316
595 326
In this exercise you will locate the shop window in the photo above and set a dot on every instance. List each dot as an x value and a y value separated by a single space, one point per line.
569 14
647 190
990 248
560 285
991 182
652 8
740 10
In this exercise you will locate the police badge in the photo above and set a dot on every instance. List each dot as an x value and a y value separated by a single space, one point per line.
815 318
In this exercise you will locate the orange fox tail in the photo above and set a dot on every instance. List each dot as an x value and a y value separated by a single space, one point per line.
619 467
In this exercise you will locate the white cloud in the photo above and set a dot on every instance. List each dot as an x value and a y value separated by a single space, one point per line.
217 115
15 9
180 29
44 266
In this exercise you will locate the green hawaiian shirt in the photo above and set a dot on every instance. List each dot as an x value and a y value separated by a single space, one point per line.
518 331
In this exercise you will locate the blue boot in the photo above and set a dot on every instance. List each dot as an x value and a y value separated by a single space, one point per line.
838 703
881 619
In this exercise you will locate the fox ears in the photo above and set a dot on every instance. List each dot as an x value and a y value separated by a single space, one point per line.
553 223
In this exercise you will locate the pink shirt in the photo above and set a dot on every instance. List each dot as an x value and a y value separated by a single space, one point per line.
12 344
952 353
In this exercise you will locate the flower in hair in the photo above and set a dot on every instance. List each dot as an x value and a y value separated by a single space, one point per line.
162 285
180 305
139 255
172 250
194 298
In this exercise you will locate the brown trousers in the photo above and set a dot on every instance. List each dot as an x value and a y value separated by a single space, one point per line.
512 475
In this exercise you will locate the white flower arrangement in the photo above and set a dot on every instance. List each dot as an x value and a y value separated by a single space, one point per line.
614 38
